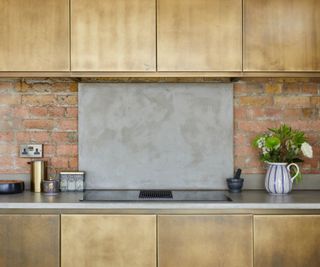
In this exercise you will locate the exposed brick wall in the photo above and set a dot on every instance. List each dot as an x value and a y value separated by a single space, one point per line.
263 103
38 111
45 111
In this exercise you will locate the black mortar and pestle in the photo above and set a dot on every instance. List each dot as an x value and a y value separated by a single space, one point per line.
235 184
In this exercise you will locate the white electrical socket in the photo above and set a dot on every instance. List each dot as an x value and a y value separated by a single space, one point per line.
31 151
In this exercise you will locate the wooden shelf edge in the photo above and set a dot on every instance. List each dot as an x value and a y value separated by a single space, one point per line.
200 74
34 74
276 74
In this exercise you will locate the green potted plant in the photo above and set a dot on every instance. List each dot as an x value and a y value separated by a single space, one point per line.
281 148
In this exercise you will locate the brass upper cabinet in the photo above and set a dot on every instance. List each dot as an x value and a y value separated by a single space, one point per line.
281 35
205 240
108 240
199 35
29 240
286 241
34 35
109 35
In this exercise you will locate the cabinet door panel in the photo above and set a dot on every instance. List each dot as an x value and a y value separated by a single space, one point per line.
109 35
108 240
281 35
199 35
286 241
29 240
205 241
34 35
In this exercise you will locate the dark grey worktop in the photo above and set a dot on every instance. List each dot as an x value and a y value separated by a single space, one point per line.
246 200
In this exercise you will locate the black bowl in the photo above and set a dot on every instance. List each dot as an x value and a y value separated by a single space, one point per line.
235 185
11 186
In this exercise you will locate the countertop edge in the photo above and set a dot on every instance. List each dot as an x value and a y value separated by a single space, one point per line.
160 206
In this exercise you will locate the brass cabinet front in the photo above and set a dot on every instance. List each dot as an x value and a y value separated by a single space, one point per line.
108 240
205 240
34 35
281 35
287 241
29 240
109 35
199 35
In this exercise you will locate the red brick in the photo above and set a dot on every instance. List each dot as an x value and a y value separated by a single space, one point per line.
10 99
310 113
73 163
312 125
8 149
59 163
5 112
74 87
68 125
67 150
310 88
49 150
292 113
7 170
6 86
241 88
22 164
64 137
38 100
22 137
39 137
255 100
241 139
273 88
38 124
310 163
56 111
254 113
292 101
72 112
257 126
6 162
240 113
38 111
315 101
65 87
244 150
21 112
6 136
67 100
292 88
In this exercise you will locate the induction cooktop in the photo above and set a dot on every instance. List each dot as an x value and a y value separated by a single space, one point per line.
154 195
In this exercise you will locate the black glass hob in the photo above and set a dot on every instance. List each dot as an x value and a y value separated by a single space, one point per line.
155 195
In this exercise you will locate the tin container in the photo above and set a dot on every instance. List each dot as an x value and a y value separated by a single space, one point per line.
50 187
72 181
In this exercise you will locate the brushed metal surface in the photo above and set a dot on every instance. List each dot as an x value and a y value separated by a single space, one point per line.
29 240
108 240
287 240
205 240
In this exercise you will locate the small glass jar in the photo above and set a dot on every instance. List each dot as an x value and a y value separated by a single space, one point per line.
50 187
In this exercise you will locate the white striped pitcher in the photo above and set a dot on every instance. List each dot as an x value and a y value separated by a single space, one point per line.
278 179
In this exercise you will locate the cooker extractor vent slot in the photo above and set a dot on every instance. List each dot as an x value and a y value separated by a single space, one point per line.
155 194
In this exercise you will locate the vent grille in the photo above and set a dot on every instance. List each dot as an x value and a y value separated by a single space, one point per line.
155 194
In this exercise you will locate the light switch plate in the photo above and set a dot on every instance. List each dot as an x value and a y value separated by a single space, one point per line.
31 151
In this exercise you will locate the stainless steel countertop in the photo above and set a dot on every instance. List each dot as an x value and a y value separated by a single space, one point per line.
304 200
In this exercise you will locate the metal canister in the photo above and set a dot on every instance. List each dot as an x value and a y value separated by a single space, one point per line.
38 173
50 187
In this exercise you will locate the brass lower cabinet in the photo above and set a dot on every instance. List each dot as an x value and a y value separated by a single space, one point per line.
287 241
205 240
29 240
108 241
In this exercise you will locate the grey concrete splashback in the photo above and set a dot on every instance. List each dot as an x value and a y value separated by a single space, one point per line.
156 135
